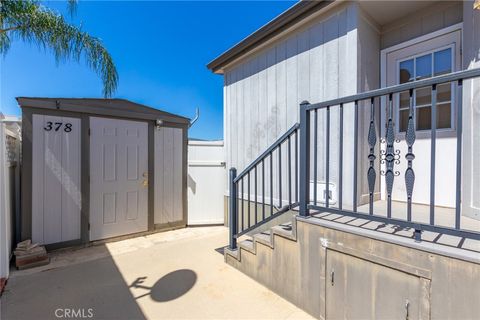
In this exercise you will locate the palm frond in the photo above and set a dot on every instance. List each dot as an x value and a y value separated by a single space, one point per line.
33 23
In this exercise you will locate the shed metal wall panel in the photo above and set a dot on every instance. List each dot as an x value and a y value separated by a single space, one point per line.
168 180
56 199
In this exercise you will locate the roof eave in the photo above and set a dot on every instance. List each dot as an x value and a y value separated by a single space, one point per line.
81 105
285 20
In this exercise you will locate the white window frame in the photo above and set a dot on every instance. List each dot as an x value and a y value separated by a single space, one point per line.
383 69
452 92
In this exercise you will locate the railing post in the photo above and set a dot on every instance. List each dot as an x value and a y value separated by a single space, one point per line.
304 193
233 209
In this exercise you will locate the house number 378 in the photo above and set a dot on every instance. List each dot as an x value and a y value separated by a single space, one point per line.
67 127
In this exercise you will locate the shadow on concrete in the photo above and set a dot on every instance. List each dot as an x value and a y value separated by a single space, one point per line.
392 229
170 287
221 250
94 288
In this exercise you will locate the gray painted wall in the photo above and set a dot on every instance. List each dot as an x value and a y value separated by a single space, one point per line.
368 79
262 93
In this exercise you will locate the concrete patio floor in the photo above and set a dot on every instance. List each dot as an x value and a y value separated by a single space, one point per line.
173 275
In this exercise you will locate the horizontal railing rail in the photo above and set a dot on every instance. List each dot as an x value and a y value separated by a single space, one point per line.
269 150
271 180
451 77
384 154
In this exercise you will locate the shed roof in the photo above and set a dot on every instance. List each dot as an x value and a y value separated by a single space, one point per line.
283 21
113 107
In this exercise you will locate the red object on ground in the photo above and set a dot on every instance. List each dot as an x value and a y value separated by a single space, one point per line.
3 283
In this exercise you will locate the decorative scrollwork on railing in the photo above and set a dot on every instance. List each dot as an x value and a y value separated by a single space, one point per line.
390 156
410 139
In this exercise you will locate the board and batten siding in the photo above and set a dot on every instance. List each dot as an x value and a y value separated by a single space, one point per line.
56 195
368 79
168 177
471 114
262 93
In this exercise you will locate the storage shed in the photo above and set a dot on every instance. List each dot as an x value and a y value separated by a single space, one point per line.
100 168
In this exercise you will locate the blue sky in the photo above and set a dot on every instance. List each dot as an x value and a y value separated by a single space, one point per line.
160 50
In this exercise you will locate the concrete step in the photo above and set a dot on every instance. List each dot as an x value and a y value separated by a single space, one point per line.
248 245
264 238
285 230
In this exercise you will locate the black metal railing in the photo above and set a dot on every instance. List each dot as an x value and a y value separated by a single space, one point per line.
389 156
266 188
344 198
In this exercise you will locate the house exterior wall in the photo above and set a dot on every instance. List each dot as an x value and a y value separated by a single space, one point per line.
316 62
336 54
471 111
368 79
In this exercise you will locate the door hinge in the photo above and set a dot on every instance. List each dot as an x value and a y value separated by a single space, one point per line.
332 277
89 226
89 132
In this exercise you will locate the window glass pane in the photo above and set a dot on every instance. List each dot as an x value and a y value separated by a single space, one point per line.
444 92
423 118
403 120
423 96
406 71
443 61
444 116
424 66
404 100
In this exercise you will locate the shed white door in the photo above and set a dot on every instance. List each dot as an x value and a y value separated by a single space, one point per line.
118 177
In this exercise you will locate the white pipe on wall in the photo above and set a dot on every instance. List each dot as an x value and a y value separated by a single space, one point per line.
4 219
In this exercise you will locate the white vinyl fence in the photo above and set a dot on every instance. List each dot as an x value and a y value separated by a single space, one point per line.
206 182
10 142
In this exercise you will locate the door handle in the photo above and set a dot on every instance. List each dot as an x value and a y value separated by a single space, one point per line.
145 181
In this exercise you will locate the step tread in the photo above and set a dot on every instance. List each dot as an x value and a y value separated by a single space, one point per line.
264 237
247 244
233 253
284 229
